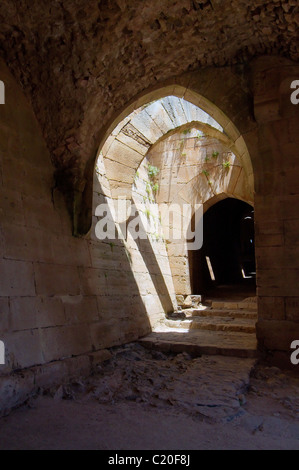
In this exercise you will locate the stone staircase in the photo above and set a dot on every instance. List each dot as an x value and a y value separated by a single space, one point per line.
216 328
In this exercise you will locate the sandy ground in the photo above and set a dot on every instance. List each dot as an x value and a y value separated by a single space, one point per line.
142 399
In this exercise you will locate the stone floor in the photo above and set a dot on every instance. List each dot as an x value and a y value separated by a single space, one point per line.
219 327
145 399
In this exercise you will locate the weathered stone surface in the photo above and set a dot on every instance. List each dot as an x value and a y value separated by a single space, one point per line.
80 88
187 302
180 300
62 341
17 278
53 279
23 348
15 389
194 168
32 312
139 52
277 335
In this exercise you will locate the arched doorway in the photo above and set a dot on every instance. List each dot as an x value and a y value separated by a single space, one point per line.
208 162
225 265
223 167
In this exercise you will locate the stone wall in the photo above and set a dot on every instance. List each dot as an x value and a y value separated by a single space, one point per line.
146 254
60 296
276 206
166 133
195 168
64 297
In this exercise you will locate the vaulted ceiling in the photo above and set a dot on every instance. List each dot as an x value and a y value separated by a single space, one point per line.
78 57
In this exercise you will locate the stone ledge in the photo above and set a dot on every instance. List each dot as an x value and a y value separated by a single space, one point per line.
18 386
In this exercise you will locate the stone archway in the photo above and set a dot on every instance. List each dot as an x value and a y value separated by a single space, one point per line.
249 124
221 95
121 155
158 115
195 169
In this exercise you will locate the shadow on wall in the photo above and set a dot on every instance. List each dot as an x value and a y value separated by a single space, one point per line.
150 260
60 296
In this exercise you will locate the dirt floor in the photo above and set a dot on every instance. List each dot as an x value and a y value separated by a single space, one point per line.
146 400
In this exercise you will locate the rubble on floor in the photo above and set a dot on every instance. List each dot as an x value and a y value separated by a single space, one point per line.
142 398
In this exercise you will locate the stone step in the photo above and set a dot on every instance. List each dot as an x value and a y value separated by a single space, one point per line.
212 312
234 305
243 325
250 303
200 342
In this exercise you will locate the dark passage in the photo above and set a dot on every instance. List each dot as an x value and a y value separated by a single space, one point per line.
227 257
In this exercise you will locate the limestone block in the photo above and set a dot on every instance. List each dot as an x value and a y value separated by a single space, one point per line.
291 232
23 348
93 281
70 251
152 305
178 269
217 304
31 181
292 180
180 300
146 126
121 189
176 250
105 256
292 309
277 282
11 207
121 282
196 299
134 144
105 333
123 154
119 172
17 278
240 187
40 213
282 256
187 302
107 144
268 209
158 113
214 112
271 308
193 113
79 309
181 285
187 173
54 279
4 315
271 239
97 282
175 110
27 244
64 341
277 335
33 312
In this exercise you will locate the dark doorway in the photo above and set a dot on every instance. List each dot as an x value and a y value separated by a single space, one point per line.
226 259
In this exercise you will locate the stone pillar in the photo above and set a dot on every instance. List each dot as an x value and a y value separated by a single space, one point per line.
277 207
